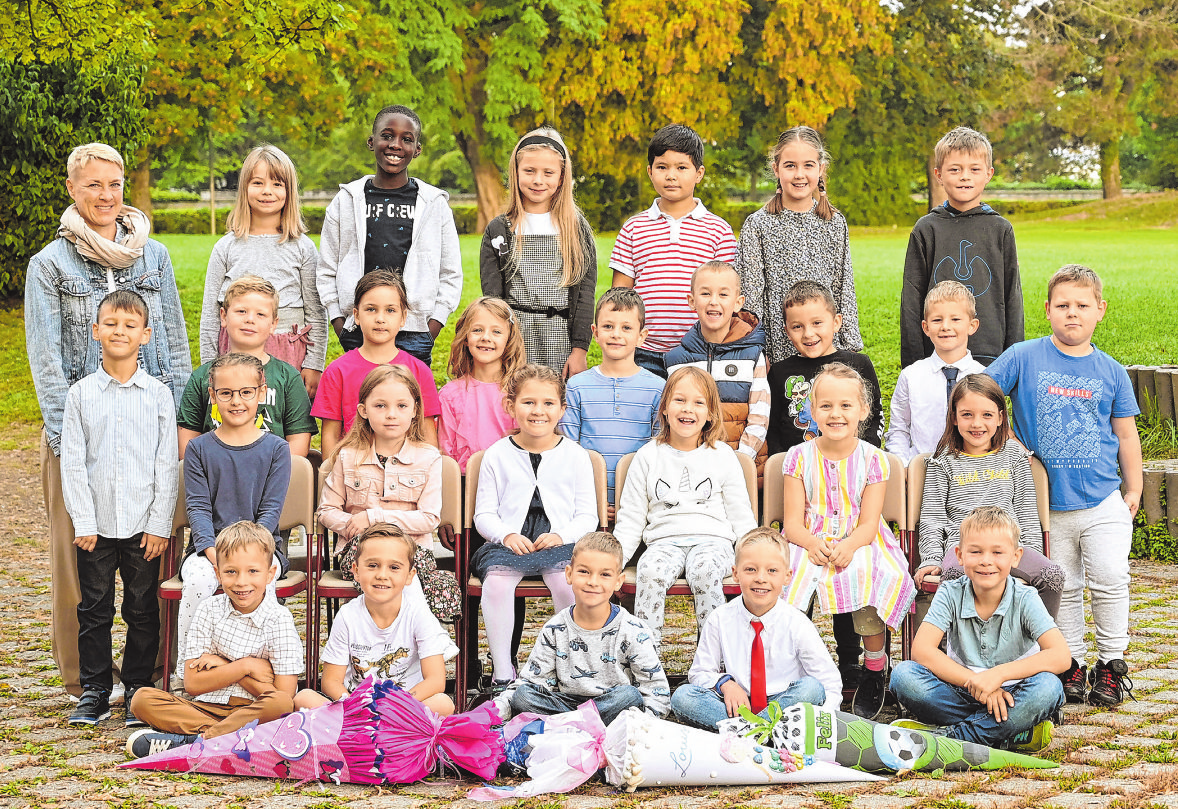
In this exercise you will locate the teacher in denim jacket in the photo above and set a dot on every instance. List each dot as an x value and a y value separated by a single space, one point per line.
101 246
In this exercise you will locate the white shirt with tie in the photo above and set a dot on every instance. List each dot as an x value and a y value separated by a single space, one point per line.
793 649
920 403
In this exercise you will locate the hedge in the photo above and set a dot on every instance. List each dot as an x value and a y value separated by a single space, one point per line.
196 220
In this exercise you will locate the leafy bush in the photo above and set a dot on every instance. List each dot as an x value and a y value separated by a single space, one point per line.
1153 541
172 195
46 109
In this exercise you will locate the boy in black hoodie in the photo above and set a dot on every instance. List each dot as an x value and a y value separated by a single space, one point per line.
968 241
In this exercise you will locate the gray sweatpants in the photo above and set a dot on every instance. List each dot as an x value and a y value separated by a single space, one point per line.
704 565
1092 547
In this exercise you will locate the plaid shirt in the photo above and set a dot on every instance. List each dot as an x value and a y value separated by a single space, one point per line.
268 633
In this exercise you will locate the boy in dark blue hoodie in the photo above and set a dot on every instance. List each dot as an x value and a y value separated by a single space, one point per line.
729 344
963 240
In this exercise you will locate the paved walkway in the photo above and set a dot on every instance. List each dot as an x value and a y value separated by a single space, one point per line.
1122 758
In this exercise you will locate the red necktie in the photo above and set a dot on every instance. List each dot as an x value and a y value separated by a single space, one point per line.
758 697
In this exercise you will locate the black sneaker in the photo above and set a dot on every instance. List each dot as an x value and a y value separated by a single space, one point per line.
1075 682
132 721
852 674
1110 683
92 708
869 696
148 742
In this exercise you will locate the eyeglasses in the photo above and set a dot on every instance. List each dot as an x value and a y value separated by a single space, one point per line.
225 395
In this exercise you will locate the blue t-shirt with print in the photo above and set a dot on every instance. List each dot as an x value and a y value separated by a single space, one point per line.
1063 412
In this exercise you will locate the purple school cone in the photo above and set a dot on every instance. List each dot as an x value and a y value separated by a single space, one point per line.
377 735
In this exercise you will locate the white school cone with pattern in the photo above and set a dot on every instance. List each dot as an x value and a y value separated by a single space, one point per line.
644 751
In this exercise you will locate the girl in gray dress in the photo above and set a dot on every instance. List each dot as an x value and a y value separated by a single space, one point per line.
540 255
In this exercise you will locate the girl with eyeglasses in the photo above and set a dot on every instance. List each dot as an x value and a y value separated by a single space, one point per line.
236 472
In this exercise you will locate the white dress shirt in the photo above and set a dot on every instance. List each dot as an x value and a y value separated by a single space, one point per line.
920 404
793 649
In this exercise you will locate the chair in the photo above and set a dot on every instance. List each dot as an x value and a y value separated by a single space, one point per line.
298 510
329 584
893 510
917 470
466 543
680 588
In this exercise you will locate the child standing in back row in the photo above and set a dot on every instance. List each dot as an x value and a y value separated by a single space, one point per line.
267 238
391 221
657 251
796 236
963 240
540 256
1074 408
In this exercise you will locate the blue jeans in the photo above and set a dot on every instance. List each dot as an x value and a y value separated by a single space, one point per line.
935 702
418 343
704 708
651 361
96 612
538 699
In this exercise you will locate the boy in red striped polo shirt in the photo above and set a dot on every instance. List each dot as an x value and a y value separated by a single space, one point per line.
658 250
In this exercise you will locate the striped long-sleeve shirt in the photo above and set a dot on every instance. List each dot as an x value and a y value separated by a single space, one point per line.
955 485
119 471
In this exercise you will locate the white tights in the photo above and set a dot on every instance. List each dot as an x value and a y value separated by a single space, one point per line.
499 613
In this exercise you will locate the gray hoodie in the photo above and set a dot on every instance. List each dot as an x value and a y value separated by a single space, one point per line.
433 269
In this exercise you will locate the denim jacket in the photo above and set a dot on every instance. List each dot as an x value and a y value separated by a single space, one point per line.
62 293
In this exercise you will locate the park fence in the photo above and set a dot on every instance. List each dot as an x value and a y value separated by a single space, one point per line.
1156 388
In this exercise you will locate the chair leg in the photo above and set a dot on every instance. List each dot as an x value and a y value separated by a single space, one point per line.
168 630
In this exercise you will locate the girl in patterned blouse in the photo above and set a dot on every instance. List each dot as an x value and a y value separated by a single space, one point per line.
540 255
797 236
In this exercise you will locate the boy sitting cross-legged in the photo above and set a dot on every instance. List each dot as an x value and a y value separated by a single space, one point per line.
998 683
593 650
728 344
757 649
242 655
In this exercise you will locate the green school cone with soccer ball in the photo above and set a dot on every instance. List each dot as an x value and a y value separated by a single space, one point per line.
811 730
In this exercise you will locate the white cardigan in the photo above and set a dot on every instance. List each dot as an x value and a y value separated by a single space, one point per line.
506 483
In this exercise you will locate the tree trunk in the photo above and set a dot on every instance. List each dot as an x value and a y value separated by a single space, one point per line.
141 181
754 176
1110 169
488 181
936 193
212 193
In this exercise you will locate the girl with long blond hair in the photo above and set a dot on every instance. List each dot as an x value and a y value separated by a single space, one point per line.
540 256
268 238
384 471
487 349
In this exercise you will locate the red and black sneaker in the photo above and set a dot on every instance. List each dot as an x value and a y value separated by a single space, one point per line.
1110 683
1075 682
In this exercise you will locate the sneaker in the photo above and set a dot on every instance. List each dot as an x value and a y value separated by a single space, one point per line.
117 693
1033 740
852 674
1110 683
148 742
1075 682
869 696
132 721
92 708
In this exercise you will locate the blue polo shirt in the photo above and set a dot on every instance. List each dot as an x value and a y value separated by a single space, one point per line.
1011 632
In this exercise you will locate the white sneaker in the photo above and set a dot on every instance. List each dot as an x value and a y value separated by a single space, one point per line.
117 692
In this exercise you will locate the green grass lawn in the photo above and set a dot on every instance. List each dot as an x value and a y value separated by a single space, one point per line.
1135 260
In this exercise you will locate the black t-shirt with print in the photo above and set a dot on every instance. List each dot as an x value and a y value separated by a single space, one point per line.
390 215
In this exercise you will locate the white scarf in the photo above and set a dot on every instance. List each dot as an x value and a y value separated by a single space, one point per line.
101 250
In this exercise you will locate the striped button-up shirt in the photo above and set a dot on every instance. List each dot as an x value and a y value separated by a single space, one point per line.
119 465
